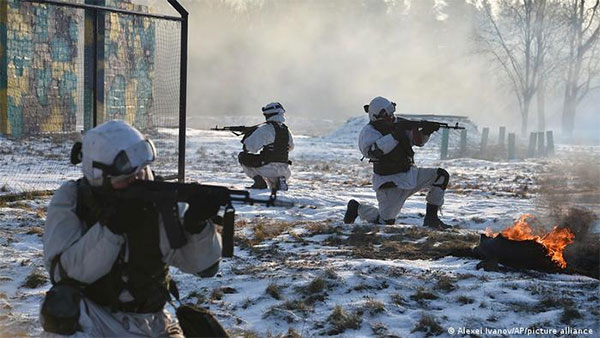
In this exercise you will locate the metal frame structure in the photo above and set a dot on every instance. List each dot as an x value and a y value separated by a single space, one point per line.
96 11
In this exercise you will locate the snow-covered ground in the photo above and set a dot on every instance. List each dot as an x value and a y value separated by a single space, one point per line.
302 272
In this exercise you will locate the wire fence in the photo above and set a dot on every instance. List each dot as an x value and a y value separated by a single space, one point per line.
67 69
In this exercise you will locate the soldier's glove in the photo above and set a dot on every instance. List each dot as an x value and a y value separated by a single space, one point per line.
430 128
111 219
398 133
200 210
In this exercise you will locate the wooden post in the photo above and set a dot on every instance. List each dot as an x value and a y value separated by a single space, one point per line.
463 142
540 141
444 148
532 144
501 136
511 146
484 140
550 145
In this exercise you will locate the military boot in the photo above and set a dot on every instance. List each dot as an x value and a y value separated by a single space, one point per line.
432 220
281 184
259 183
351 212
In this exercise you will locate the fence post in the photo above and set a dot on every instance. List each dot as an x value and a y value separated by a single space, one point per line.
540 141
484 140
532 144
501 136
4 67
511 146
550 141
444 148
463 142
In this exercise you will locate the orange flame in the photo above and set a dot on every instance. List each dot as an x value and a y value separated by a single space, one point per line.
555 241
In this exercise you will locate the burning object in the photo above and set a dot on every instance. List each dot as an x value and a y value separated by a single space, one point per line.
518 247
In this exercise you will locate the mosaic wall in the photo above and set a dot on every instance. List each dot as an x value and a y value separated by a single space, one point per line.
128 65
38 68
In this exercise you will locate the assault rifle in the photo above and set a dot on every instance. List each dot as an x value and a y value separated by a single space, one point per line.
237 130
165 196
409 124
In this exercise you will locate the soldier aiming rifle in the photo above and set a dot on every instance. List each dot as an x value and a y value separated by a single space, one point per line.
387 142
111 236
265 154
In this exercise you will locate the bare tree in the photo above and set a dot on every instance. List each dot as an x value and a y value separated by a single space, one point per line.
582 59
515 37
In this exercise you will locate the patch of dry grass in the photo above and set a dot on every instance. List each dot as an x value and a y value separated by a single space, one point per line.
366 243
273 290
422 294
373 306
36 279
341 320
429 325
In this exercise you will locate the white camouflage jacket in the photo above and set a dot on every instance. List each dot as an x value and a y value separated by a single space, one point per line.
370 137
88 255
265 135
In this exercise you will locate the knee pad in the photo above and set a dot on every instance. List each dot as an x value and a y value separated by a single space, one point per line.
442 179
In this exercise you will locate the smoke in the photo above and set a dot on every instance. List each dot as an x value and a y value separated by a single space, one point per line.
569 192
326 59
323 60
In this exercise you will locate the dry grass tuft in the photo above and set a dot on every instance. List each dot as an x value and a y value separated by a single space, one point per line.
216 294
341 320
421 295
429 325
446 283
465 300
274 290
373 306
36 279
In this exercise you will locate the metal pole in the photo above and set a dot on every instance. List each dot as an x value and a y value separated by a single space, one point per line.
95 70
103 8
182 87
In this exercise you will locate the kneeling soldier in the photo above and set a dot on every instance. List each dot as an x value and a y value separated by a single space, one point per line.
395 177
274 142
108 258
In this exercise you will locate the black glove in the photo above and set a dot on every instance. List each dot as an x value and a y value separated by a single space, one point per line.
110 218
430 128
200 209
399 133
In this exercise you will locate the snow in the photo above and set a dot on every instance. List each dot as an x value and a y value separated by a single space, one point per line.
302 254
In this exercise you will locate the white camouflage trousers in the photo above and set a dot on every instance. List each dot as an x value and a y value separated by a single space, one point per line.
391 200
270 172
99 321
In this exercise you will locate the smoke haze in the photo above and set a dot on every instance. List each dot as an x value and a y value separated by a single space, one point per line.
323 60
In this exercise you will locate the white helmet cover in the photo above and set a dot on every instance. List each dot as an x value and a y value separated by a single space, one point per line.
379 108
274 112
114 149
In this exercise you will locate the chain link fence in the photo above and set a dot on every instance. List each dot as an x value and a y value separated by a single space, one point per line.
68 66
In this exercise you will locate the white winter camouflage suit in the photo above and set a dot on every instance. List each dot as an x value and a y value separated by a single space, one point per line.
261 137
391 200
88 255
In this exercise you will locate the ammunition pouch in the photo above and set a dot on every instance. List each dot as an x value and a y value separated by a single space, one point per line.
60 309
250 160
